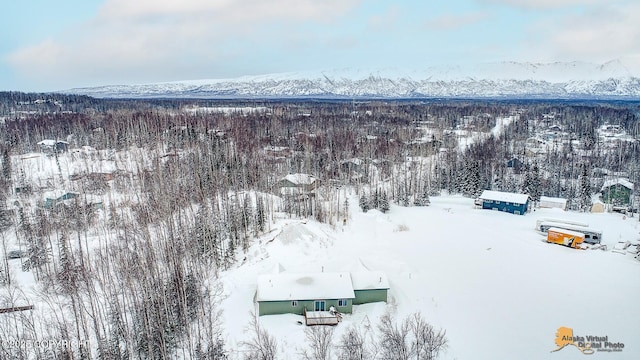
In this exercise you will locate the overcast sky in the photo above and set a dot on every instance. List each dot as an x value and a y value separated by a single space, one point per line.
58 45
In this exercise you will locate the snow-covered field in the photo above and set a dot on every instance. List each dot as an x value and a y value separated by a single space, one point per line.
486 277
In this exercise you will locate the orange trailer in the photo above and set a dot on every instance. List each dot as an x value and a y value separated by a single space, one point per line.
565 237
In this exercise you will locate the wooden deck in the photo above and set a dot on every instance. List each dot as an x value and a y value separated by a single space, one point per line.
321 318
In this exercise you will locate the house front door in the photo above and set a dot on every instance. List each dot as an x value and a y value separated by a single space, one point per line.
319 305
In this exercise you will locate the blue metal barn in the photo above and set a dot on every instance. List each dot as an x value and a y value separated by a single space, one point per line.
504 201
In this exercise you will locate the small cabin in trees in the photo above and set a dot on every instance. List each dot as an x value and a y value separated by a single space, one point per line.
505 201
617 192
515 164
53 146
53 198
353 165
296 184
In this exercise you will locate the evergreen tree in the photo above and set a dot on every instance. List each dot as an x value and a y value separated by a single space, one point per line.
531 183
375 200
67 272
346 208
261 217
534 190
383 204
364 202
6 166
570 195
246 216
402 197
470 178
5 214
422 199
37 251
208 233
585 202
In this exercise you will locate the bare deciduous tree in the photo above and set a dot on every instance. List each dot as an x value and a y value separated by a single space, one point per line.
262 345
413 339
353 345
319 339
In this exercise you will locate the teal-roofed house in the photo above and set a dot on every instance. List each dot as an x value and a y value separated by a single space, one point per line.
52 198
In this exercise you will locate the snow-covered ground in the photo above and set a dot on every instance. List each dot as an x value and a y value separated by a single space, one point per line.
486 277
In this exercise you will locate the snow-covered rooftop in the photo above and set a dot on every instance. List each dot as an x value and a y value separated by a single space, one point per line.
504 196
50 142
300 179
369 280
354 161
553 200
304 286
619 181
54 194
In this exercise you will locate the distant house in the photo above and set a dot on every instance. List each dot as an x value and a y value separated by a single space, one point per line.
617 192
515 164
23 189
296 184
93 176
53 198
297 293
277 151
504 201
53 146
553 202
353 165
555 128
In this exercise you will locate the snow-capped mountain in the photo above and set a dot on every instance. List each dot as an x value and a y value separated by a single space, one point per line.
506 79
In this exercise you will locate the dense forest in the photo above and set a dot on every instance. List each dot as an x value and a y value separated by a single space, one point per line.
194 183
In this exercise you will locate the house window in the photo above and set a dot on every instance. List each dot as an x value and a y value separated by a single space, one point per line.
319 305
294 303
342 302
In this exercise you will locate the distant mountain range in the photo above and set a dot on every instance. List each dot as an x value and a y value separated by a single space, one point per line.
574 80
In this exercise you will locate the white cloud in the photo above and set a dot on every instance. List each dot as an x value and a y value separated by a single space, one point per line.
455 21
604 32
157 40
229 11
545 4
386 20
598 35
